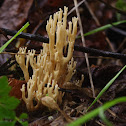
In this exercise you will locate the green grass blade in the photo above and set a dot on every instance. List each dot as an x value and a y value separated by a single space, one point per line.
9 41
104 119
103 28
95 112
106 87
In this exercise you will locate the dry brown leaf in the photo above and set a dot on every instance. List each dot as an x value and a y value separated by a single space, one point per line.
13 13
16 86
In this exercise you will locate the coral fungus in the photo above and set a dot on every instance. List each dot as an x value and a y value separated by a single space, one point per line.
51 69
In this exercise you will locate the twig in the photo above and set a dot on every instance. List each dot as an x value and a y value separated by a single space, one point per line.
100 52
2 32
84 45
93 57
92 13
120 31
36 28
26 35
4 68
99 123
75 7
41 38
121 45
95 52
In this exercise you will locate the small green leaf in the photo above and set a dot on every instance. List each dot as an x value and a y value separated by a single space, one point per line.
4 88
6 114
10 102
95 112
23 116
24 123
121 4
7 123
7 106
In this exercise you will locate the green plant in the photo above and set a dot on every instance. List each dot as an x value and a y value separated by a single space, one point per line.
96 111
9 41
8 105
106 87
103 28
120 4
101 109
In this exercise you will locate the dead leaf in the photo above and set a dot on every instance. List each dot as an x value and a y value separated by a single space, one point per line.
13 13
16 86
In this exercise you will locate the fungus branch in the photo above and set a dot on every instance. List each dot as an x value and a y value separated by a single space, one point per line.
51 69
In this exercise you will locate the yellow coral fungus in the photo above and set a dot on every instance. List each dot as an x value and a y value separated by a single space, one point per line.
51 69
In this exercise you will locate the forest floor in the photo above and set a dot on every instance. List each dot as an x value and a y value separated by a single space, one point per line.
94 14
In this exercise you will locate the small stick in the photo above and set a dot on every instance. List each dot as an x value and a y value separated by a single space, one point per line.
75 7
40 38
84 45
25 35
